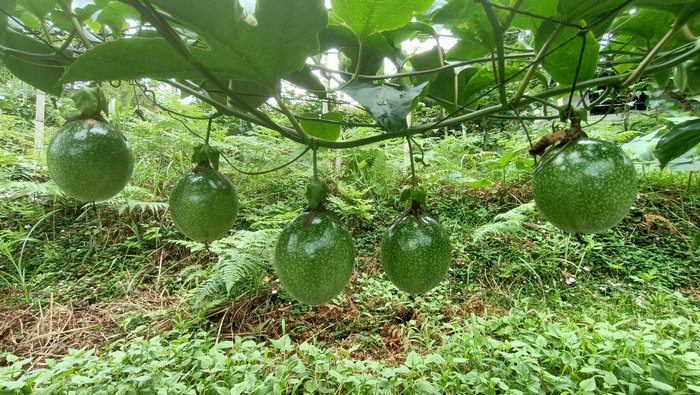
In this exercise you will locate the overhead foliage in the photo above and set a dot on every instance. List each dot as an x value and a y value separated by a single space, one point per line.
503 57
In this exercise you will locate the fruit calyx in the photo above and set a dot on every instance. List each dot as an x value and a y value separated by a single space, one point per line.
417 196
206 154
563 136
316 193
91 102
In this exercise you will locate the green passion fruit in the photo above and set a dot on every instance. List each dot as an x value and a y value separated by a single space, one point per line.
203 204
416 252
314 257
90 160
587 186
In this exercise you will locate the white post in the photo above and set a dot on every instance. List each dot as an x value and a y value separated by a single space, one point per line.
39 120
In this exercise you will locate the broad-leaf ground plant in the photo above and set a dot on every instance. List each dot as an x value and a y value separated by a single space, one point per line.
505 60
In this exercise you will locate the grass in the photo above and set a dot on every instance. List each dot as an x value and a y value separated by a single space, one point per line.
112 298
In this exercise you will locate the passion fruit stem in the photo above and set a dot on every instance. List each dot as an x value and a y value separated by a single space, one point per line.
417 211
315 164
413 167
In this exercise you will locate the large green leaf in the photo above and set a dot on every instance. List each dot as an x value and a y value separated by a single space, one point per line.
307 80
284 35
40 8
375 48
678 7
248 92
324 130
133 58
467 20
443 89
388 105
470 46
34 62
575 10
545 8
366 17
115 14
686 162
424 61
678 141
645 26
370 62
453 95
564 54
6 7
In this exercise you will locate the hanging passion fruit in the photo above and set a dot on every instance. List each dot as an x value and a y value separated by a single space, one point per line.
415 251
90 160
204 204
587 186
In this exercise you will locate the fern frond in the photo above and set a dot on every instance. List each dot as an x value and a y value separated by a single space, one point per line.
131 205
193 246
240 255
508 223
39 278
17 189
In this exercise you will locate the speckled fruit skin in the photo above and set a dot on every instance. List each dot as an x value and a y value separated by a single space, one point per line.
203 204
588 187
416 257
90 160
314 261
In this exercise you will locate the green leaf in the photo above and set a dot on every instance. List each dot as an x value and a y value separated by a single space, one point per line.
286 33
469 46
134 58
678 141
660 385
324 130
6 7
115 15
534 7
339 36
588 385
388 105
39 8
686 162
427 60
696 241
366 17
578 112
642 147
565 53
370 63
575 10
676 7
249 92
468 21
35 63
91 101
644 27
307 80
471 81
